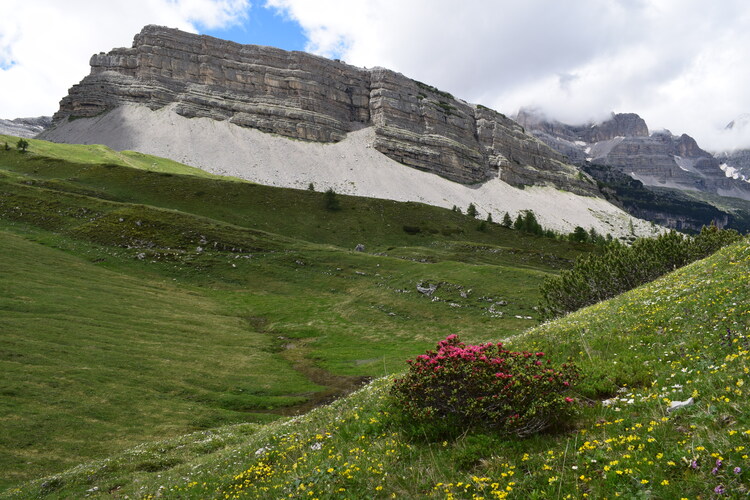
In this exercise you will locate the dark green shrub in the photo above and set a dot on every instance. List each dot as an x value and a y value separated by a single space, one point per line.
619 268
579 234
332 201
459 387
507 221
527 222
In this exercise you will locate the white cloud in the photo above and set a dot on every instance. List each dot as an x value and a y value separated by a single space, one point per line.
681 64
45 45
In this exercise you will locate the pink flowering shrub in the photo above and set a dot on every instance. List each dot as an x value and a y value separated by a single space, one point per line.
485 386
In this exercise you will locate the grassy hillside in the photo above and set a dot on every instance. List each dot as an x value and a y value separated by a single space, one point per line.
143 300
682 336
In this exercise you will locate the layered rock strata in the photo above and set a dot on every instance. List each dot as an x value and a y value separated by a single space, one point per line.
306 97
25 127
657 159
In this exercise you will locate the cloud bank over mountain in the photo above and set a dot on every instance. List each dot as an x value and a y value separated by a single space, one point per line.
680 64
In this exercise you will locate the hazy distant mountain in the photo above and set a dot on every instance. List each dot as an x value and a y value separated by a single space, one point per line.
25 127
657 160
736 161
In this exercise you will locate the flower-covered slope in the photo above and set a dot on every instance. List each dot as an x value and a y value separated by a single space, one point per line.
664 415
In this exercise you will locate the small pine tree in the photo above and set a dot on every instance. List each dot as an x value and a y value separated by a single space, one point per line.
311 187
332 201
482 226
530 224
22 145
7 147
507 221
489 218
579 234
518 223
471 211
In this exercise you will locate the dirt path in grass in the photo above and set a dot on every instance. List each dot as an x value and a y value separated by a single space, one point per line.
296 353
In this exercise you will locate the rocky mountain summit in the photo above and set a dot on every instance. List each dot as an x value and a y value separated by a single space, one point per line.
302 96
25 127
658 159
735 161
735 164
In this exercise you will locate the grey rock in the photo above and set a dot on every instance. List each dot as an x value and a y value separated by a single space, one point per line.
359 248
739 160
25 127
427 290
676 405
307 97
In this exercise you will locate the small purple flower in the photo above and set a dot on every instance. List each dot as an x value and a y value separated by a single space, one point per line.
714 471
719 489
693 464
737 470
718 463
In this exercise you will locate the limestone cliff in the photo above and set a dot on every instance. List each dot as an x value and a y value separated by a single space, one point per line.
307 97
25 127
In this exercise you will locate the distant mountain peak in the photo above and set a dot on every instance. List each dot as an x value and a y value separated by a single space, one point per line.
660 159
742 122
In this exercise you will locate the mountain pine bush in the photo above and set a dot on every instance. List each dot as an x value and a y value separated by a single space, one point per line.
619 268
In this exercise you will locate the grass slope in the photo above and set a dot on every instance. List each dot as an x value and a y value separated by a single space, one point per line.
682 336
146 301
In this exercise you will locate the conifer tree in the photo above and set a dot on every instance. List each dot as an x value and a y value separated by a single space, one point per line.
331 200
507 221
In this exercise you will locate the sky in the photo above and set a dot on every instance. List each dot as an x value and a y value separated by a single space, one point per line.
683 65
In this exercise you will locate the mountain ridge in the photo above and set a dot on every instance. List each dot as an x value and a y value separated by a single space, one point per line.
308 97
658 159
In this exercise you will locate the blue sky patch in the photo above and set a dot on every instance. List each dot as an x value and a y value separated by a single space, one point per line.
264 26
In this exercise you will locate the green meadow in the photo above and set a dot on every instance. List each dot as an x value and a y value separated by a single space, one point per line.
171 335
683 336
143 300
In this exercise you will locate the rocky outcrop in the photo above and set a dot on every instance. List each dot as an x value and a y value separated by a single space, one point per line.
306 97
25 127
659 159
736 164
619 125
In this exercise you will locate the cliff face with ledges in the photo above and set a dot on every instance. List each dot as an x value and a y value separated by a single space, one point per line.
306 97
